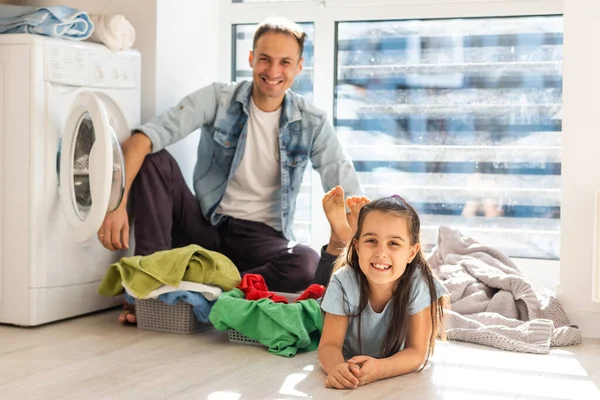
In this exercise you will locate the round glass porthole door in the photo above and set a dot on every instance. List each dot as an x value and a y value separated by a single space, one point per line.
81 166
92 173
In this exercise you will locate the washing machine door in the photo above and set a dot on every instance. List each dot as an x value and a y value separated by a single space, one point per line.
91 166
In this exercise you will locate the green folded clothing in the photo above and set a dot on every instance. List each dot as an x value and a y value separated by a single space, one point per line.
143 274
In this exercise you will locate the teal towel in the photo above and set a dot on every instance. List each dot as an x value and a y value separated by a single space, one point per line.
55 21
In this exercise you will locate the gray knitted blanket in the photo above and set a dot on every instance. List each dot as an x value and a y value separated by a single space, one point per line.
492 303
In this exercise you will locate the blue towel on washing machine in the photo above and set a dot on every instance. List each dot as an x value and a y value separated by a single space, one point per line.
54 21
200 305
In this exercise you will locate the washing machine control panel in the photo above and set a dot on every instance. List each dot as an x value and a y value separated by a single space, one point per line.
91 65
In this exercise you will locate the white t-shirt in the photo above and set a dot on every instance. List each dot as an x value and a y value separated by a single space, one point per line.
254 192
343 297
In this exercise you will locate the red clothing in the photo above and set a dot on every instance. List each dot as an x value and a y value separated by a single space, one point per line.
314 291
255 288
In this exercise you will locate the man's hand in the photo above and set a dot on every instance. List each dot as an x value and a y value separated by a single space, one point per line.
114 232
366 369
341 377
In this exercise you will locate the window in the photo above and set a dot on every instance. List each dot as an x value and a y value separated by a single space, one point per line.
462 117
303 84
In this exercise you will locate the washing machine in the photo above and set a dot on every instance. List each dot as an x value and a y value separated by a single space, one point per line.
65 107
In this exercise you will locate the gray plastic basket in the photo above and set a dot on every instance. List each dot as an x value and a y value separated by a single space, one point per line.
236 337
154 315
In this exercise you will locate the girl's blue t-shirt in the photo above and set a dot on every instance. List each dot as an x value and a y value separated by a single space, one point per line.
343 296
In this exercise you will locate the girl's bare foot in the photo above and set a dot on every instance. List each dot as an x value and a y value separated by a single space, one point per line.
335 211
355 203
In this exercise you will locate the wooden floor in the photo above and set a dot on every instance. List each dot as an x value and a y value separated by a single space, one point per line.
93 357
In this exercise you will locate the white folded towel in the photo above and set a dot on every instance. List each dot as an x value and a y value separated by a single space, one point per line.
114 31
210 292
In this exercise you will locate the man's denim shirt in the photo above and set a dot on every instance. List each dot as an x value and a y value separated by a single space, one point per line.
221 112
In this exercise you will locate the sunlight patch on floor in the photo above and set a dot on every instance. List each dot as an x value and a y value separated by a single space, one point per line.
289 385
223 396
494 381
458 394
309 368
558 361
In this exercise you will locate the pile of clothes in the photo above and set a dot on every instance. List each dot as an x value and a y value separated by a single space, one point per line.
491 301
268 318
191 274
211 283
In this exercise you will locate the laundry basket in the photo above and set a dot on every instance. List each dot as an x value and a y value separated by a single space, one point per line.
237 337
154 315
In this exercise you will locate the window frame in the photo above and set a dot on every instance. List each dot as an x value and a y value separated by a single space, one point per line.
325 14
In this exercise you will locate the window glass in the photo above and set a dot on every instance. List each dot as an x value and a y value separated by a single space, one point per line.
462 117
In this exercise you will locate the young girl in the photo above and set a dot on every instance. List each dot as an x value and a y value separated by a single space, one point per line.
383 306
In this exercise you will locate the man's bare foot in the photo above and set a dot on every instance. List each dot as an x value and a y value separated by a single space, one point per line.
355 203
127 316
335 211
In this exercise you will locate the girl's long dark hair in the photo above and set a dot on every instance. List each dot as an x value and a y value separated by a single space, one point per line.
397 332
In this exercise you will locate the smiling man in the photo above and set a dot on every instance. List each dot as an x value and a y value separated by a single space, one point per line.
257 138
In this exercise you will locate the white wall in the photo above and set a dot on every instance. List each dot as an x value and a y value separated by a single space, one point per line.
186 53
580 168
